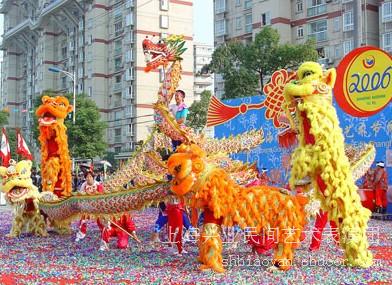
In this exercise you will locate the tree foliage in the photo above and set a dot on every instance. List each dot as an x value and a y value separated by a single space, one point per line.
197 117
86 137
245 67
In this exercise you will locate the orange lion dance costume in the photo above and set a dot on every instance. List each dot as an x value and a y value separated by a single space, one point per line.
56 162
261 208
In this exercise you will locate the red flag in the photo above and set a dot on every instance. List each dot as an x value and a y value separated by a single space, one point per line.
23 149
5 152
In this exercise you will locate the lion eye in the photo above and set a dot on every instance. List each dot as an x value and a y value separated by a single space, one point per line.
177 168
308 73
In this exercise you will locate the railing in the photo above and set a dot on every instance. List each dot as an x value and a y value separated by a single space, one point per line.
117 86
317 10
319 36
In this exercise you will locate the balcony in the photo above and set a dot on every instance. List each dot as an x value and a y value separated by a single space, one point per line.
117 86
117 51
317 10
26 24
318 36
5 5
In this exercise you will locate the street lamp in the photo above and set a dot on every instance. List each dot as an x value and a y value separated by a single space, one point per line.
73 77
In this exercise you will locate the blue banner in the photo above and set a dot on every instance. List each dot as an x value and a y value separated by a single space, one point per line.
376 129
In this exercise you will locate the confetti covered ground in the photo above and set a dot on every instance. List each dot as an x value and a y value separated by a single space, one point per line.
59 260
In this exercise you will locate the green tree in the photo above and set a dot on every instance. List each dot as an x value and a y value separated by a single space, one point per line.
245 67
197 117
3 118
86 137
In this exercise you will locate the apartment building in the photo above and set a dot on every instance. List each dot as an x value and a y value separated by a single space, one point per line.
203 81
385 25
98 42
338 26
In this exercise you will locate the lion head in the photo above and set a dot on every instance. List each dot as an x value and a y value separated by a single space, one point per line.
185 166
53 108
16 182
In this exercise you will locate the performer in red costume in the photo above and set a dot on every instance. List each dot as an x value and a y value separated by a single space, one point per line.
90 186
121 228
322 217
381 187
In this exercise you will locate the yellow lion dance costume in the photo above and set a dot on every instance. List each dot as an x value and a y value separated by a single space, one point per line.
56 162
262 208
320 156
23 196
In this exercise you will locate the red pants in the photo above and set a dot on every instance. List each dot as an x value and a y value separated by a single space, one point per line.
126 223
175 223
321 221
381 198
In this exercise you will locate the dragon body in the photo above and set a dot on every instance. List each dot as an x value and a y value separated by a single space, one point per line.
144 174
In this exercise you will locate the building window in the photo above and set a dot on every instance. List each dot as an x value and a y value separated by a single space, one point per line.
266 19
220 6
387 41
117 47
130 91
90 23
348 21
130 128
164 5
238 23
248 4
117 149
118 28
300 32
64 52
316 7
220 27
164 21
348 46
63 82
248 23
117 63
237 3
117 79
318 30
386 12
300 6
129 19
90 91
336 24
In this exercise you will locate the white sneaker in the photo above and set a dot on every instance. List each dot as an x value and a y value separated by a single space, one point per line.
79 236
104 246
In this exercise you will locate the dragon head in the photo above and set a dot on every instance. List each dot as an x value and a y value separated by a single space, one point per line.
52 109
162 52
185 166
16 182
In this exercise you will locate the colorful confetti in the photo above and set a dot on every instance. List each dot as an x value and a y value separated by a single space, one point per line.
60 260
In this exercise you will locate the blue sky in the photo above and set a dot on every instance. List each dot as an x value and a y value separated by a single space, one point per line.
203 21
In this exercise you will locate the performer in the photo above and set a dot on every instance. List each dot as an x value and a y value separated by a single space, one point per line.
175 216
180 112
121 228
90 186
380 188
262 179
321 221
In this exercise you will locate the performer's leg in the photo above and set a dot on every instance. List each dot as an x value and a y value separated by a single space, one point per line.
321 221
81 234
